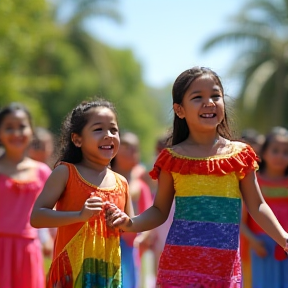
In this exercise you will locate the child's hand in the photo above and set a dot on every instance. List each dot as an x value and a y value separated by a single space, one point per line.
115 218
92 207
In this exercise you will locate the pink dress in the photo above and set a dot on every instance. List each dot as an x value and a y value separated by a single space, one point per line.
20 250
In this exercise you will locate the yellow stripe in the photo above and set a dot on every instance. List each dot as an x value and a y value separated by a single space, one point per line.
87 244
207 185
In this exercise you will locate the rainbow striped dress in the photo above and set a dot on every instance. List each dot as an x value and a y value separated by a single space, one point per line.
202 246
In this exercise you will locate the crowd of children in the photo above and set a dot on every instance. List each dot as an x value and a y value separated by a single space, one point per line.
95 210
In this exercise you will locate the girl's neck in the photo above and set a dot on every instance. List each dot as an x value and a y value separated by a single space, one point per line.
13 158
100 168
203 140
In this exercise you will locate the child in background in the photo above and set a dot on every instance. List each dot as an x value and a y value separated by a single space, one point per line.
255 140
269 262
42 147
86 251
42 150
21 181
125 163
208 174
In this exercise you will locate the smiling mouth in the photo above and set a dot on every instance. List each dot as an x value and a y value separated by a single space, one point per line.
106 147
208 115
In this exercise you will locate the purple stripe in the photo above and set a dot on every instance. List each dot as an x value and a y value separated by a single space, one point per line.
204 234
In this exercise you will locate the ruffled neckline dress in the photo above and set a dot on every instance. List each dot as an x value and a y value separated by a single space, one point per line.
202 246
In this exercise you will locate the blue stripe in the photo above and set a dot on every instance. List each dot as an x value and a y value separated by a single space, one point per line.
204 234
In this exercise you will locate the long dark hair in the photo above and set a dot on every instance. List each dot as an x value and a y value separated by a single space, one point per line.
74 123
180 130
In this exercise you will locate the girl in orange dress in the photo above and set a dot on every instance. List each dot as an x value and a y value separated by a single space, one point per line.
86 252
21 181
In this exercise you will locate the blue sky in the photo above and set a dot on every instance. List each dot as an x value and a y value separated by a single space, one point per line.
167 35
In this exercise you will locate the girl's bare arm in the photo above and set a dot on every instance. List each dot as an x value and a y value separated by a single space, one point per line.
259 209
154 216
43 214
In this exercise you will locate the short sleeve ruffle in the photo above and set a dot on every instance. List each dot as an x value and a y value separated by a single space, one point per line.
241 160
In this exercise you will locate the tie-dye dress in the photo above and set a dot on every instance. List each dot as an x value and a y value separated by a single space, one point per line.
87 255
202 246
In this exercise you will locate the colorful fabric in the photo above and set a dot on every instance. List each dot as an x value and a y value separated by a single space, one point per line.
87 254
202 246
268 272
276 195
21 258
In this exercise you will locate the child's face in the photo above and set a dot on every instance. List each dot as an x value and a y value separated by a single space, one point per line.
128 155
202 105
16 131
99 140
276 155
41 150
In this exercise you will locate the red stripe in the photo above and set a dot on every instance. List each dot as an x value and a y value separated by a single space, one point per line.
201 260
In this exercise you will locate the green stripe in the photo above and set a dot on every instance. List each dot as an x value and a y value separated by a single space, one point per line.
274 192
98 273
208 209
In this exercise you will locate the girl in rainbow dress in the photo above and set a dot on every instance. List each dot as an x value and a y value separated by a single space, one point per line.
208 174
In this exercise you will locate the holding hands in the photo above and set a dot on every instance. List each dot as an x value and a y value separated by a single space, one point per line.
115 218
92 207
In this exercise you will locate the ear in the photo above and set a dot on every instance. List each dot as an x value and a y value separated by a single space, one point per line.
178 109
76 139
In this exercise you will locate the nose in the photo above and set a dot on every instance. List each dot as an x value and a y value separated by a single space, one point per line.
108 135
208 103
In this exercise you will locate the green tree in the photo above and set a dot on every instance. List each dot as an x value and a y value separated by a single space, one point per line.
259 31
51 66
24 27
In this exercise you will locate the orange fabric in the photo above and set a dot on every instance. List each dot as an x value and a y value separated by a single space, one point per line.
75 194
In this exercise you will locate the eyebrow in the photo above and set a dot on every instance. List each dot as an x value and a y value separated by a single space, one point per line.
99 123
199 91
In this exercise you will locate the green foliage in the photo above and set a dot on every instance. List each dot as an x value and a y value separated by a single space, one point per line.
262 62
52 66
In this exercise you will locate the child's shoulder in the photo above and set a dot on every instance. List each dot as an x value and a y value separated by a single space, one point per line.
242 147
119 176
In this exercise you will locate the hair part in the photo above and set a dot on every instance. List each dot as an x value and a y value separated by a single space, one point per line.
180 130
74 123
